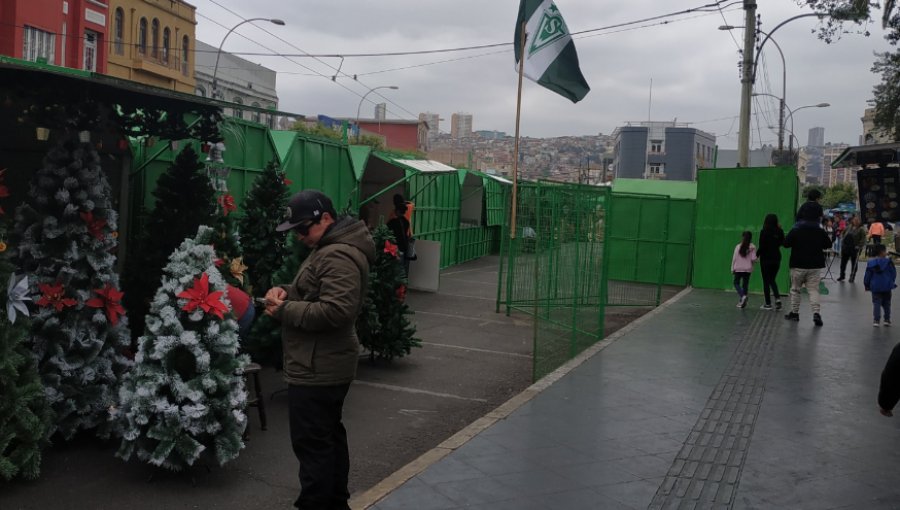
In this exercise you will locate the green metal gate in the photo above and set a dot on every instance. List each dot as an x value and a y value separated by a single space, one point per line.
555 268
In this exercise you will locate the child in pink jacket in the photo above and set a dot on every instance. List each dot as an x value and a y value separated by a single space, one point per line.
742 266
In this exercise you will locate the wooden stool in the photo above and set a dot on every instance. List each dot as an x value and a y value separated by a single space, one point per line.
257 399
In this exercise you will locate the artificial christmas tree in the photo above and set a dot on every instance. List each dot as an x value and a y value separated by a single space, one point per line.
25 416
263 211
184 201
383 327
64 239
185 395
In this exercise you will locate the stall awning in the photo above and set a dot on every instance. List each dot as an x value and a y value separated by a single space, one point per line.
674 189
423 165
881 154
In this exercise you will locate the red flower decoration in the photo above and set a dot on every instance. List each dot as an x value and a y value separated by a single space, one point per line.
53 295
226 202
110 300
94 225
199 296
219 262
286 181
401 293
391 249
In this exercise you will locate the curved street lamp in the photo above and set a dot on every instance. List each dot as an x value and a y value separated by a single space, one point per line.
791 117
219 52
358 108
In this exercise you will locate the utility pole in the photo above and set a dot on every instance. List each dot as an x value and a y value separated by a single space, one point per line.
747 82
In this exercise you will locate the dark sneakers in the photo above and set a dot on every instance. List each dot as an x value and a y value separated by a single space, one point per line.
817 319
792 316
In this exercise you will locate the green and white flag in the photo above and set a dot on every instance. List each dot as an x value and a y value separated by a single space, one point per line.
550 57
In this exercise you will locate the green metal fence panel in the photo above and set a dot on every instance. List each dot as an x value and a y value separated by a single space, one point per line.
638 248
554 268
730 201
680 242
476 242
436 216
324 165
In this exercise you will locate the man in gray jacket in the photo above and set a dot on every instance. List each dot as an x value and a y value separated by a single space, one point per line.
318 313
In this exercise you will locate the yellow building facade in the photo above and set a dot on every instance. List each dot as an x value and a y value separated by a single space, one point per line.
152 42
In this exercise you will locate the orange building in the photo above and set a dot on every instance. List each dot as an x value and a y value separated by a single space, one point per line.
152 42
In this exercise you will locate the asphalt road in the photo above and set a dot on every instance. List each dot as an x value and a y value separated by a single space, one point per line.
472 360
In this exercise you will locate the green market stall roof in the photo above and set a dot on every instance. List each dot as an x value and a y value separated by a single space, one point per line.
674 189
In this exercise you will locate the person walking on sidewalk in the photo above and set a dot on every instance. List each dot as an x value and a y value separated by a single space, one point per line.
771 237
876 231
807 260
889 390
742 265
318 313
880 280
853 241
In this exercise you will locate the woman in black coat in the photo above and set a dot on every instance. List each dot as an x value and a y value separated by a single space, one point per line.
771 237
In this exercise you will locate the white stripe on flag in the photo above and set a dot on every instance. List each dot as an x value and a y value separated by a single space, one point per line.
536 64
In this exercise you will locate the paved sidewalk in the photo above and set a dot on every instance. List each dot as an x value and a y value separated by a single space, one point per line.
701 405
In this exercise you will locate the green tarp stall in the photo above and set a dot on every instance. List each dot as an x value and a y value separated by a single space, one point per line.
319 163
433 187
730 201
482 212
652 231
248 149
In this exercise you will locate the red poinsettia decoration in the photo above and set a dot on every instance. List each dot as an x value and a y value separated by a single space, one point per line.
391 249
94 225
4 191
199 296
226 202
110 299
401 293
54 295
286 181
219 262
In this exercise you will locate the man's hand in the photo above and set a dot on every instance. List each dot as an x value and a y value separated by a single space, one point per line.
274 298
886 412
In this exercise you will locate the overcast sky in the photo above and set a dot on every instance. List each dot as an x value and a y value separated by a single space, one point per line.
693 65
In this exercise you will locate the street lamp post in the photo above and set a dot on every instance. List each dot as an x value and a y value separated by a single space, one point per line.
358 108
791 118
219 52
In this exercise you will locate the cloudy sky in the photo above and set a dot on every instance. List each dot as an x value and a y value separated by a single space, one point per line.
693 66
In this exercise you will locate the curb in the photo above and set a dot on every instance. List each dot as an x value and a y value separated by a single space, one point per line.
395 480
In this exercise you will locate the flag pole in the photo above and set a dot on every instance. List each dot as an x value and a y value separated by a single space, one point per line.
515 174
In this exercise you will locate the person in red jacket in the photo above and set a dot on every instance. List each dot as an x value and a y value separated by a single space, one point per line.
242 308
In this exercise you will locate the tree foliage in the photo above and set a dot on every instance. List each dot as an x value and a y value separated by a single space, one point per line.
263 211
838 194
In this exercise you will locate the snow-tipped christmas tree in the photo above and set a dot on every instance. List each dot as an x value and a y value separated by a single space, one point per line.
25 415
185 398
383 326
64 239
263 211
264 344
184 201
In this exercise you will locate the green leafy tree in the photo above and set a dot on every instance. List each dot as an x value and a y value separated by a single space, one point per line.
184 201
65 239
185 397
837 194
384 328
25 416
263 211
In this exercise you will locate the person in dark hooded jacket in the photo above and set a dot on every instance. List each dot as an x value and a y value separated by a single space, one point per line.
889 390
318 312
880 279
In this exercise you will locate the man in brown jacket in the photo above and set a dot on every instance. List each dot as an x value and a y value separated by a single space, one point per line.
318 312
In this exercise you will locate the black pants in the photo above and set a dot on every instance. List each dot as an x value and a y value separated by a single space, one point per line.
849 255
741 282
319 441
769 269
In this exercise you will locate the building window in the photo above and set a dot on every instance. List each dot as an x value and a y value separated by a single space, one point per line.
167 34
90 51
237 112
154 38
142 36
656 146
200 91
119 31
39 45
255 116
655 169
185 45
